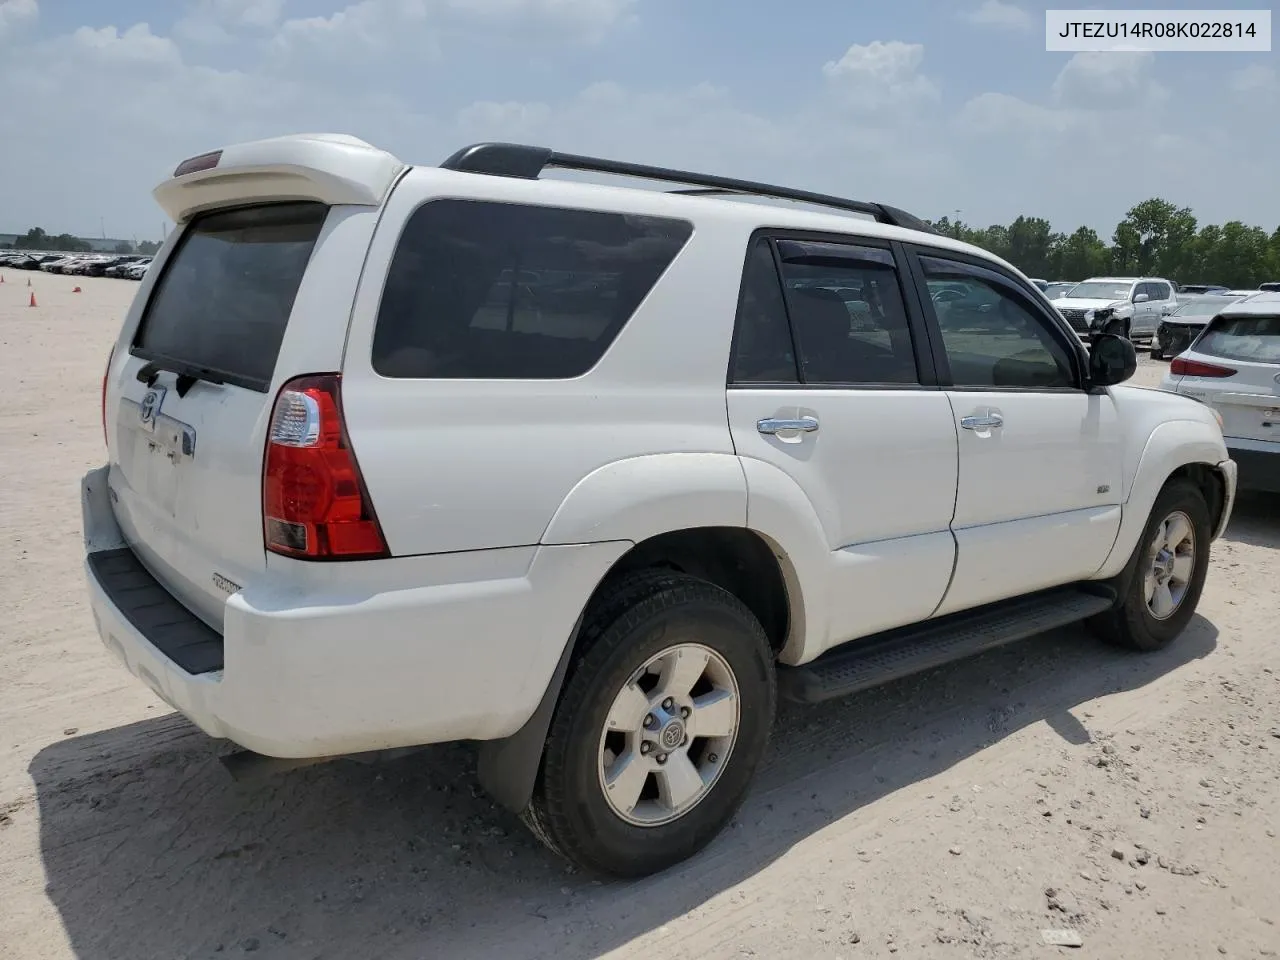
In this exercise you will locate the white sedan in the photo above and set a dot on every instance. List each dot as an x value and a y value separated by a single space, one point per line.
1234 367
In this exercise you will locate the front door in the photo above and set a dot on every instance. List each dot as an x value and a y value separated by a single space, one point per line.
1040 457
829 385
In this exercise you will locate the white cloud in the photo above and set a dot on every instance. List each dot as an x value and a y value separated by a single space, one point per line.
14 13
995 13
219 21
880 75
1256 78
137 45
1107 81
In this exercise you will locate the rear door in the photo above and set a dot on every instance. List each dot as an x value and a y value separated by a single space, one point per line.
832 383
191 382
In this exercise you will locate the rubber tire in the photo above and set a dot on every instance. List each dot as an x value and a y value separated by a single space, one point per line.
1130 624
640 616
1157 354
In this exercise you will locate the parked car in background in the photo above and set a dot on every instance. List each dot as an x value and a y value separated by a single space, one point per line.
136 271
1176 331
1191 288
51 266
1058 289
99 268
1234 367
1040 283
1127 306
1270 287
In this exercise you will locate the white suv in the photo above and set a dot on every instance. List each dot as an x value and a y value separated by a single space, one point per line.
1234 367
1127 306
401 455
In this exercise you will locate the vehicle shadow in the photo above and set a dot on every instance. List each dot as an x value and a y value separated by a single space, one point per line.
1255 520
151 850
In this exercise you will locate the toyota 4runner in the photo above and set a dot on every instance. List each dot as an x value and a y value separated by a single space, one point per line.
592 475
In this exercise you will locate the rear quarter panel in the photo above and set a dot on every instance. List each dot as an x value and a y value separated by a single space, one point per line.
478 464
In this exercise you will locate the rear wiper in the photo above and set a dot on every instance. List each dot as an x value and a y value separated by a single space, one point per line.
188 374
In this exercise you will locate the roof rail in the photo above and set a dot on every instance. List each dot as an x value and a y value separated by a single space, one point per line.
528 163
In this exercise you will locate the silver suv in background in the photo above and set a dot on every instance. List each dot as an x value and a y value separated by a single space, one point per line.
1129 306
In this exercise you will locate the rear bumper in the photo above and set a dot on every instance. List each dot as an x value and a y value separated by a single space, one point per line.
438 649
1258 462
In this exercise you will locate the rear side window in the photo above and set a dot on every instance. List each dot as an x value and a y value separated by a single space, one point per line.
1242 338
483 290
225 296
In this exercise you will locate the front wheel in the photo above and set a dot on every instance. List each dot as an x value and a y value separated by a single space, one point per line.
662 723
1172 559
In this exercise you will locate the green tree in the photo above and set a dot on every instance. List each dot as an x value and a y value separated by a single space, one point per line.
124 246
148 247
1030 245
1082 254
1153 239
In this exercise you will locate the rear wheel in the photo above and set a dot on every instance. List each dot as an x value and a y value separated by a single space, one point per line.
1172 561
662 723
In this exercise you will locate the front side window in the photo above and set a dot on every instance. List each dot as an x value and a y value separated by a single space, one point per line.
484 290
992 338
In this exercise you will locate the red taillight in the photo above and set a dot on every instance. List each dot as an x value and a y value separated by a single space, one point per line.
105 374
314 504
1196 368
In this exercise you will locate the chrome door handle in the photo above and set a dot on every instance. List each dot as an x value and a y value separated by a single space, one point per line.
983 422
771 426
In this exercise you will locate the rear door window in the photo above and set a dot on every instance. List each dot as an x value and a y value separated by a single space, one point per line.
1255 339
224 298
486 290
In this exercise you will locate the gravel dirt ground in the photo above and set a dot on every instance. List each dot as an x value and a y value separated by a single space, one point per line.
1056 784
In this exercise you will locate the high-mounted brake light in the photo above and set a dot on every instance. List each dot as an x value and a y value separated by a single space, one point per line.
1197 368
314 502
105 375
206 161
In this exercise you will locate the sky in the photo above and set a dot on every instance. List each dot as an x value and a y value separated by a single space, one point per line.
935 106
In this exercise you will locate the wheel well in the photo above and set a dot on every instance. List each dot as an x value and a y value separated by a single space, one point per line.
737 560
1210 483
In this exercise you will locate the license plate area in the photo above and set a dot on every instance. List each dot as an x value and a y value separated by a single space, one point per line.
158 447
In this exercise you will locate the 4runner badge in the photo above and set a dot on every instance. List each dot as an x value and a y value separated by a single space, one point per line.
149 408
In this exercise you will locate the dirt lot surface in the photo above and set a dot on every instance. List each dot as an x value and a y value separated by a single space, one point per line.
1055 784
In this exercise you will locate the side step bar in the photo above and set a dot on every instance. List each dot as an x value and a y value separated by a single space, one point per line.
875 660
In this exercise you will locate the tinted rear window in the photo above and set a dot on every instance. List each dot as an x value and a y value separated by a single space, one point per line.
1242 338
482 290
224 298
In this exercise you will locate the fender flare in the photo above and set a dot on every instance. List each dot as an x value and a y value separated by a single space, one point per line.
641 497
1172 444
636 499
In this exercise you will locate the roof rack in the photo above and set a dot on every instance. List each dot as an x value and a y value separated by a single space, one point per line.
528 163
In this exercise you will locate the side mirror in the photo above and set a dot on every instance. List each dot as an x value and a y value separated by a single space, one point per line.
1112 360
1141 298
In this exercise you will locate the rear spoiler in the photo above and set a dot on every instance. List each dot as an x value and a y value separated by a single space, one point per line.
329 168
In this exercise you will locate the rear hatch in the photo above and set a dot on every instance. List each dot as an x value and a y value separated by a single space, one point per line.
193 392
1249 398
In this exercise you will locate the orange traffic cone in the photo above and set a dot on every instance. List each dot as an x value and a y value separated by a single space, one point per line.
75 289
33 299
